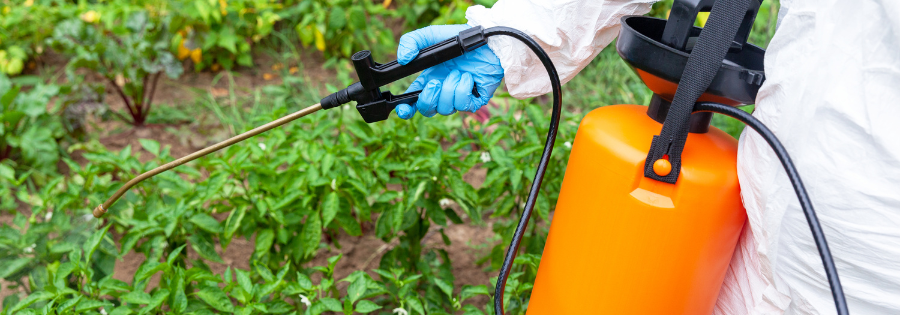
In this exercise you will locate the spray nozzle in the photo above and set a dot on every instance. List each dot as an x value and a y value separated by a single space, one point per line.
373 104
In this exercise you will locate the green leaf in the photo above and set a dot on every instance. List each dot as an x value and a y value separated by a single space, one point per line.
6 171
64 307
150 145
136 297
331 304
156 300
418 193
204 248
452 216
444 286
357 289
349 223
243 280
415 305
216 298
469 291
174 254
233 223
121 310
148 269
206 223
13 266
366 306
94 241
31 299
306 34
470 309
89 305
357 17
337 18
304 281
264 240
228 40
311 235
330 208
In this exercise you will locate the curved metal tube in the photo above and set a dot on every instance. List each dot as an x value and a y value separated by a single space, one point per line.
102 208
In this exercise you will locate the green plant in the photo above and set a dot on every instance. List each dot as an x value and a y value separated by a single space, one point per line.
25 25
220 34
341 27
29 133
129 50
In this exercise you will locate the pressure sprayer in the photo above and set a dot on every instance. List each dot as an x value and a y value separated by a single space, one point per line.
649 212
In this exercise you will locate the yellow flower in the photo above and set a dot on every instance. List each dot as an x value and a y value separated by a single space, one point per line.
183 52
293 70
223 5
29 3
386 3
196 54
320 40
90 16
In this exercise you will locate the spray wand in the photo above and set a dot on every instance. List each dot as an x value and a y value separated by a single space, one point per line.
100 210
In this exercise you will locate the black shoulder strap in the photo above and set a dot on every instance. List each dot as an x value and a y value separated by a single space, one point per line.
706 57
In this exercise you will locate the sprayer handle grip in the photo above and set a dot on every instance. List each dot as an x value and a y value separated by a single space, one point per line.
373 75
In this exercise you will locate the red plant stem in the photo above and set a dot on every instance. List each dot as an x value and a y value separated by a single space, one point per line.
153 85
124 98
139 102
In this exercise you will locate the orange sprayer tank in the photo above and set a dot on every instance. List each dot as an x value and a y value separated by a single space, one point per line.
621 243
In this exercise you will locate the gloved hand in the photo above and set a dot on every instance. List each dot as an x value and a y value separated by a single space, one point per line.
447 87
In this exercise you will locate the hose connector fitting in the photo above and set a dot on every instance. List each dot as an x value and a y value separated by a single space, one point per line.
99 211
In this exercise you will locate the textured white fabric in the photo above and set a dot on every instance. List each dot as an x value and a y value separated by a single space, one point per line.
832 96
571 31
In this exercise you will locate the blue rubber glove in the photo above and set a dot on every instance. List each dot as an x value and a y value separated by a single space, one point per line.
447 87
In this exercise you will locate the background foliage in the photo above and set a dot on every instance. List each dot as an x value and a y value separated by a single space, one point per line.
291 192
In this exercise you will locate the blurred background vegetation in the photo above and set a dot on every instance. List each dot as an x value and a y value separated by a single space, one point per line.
319 216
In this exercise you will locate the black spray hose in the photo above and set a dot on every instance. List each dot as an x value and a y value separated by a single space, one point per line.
542 166
837 292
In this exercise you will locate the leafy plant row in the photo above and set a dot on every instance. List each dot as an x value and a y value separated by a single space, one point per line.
292 192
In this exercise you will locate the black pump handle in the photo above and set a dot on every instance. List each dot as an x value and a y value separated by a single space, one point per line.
677 33
375 105
373 75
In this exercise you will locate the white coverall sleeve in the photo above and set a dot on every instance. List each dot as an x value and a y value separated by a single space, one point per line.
832 96
571 31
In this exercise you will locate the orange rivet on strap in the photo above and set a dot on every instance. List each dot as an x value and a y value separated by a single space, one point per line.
662 167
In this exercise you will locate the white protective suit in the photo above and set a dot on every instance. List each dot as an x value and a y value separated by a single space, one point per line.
832 96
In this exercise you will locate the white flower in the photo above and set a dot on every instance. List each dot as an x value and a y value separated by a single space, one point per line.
568 144
102 311
334 184
416 138
48 216
30 249
262 146
304 300
485 157
444 202
434 178
400 311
